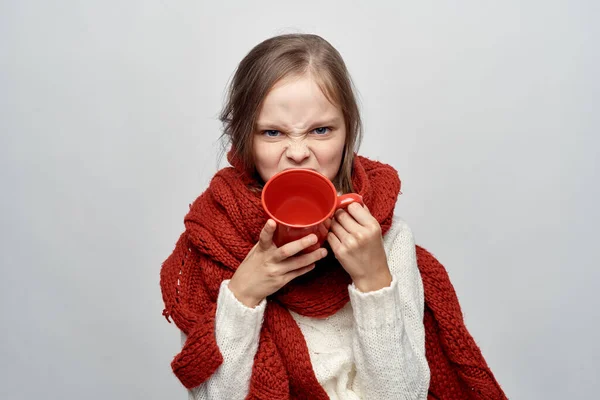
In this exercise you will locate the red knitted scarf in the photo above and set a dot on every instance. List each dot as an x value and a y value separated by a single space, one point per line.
222 226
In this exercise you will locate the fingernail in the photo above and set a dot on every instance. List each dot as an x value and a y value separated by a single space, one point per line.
323 252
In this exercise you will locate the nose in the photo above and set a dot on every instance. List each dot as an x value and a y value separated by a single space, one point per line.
297 151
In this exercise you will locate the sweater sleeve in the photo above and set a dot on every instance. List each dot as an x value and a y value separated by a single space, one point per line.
388 333
237 331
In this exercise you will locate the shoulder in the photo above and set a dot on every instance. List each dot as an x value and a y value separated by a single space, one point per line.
399 242
399 233
401 253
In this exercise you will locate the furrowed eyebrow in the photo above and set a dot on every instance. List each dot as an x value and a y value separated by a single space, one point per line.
267 126
326 122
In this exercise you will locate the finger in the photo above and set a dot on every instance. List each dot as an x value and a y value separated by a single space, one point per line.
333 241
304 260
265 240
341 233
297 272
293 248
323 228
347 221
360 214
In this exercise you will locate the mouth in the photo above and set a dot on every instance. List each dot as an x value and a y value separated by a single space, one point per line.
312 169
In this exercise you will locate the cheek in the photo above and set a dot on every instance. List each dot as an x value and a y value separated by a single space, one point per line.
266 159
329 158
332 156
337 150
267 156
260 152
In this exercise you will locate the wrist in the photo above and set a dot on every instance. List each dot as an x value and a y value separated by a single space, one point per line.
374 281
247 300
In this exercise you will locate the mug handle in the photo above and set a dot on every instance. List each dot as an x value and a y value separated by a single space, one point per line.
346 199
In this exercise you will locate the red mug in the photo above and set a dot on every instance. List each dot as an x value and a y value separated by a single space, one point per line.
302 201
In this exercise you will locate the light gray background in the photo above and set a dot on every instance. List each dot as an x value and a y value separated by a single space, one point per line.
108 131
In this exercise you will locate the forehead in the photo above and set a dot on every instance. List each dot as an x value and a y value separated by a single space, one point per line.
296 100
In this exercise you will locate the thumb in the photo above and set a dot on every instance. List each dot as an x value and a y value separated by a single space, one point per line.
265 240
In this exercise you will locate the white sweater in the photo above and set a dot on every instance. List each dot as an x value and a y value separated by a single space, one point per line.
373 348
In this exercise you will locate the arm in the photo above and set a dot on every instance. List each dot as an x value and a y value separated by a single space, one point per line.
237 331
389 335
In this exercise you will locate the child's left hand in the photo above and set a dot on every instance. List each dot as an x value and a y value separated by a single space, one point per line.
355 239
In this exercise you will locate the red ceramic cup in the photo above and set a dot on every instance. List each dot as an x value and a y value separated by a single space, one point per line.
302 201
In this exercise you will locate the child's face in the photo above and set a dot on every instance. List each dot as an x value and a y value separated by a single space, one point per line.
298 127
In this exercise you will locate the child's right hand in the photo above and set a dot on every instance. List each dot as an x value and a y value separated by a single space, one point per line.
267 268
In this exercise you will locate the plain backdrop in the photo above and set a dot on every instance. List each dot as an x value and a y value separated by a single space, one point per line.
108 121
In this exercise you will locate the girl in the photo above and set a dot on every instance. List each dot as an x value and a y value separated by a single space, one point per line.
345 321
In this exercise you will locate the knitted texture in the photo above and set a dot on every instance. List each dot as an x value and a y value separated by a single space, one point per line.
458 369
373 348
223 225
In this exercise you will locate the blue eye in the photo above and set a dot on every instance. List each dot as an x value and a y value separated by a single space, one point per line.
321 131
271 133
